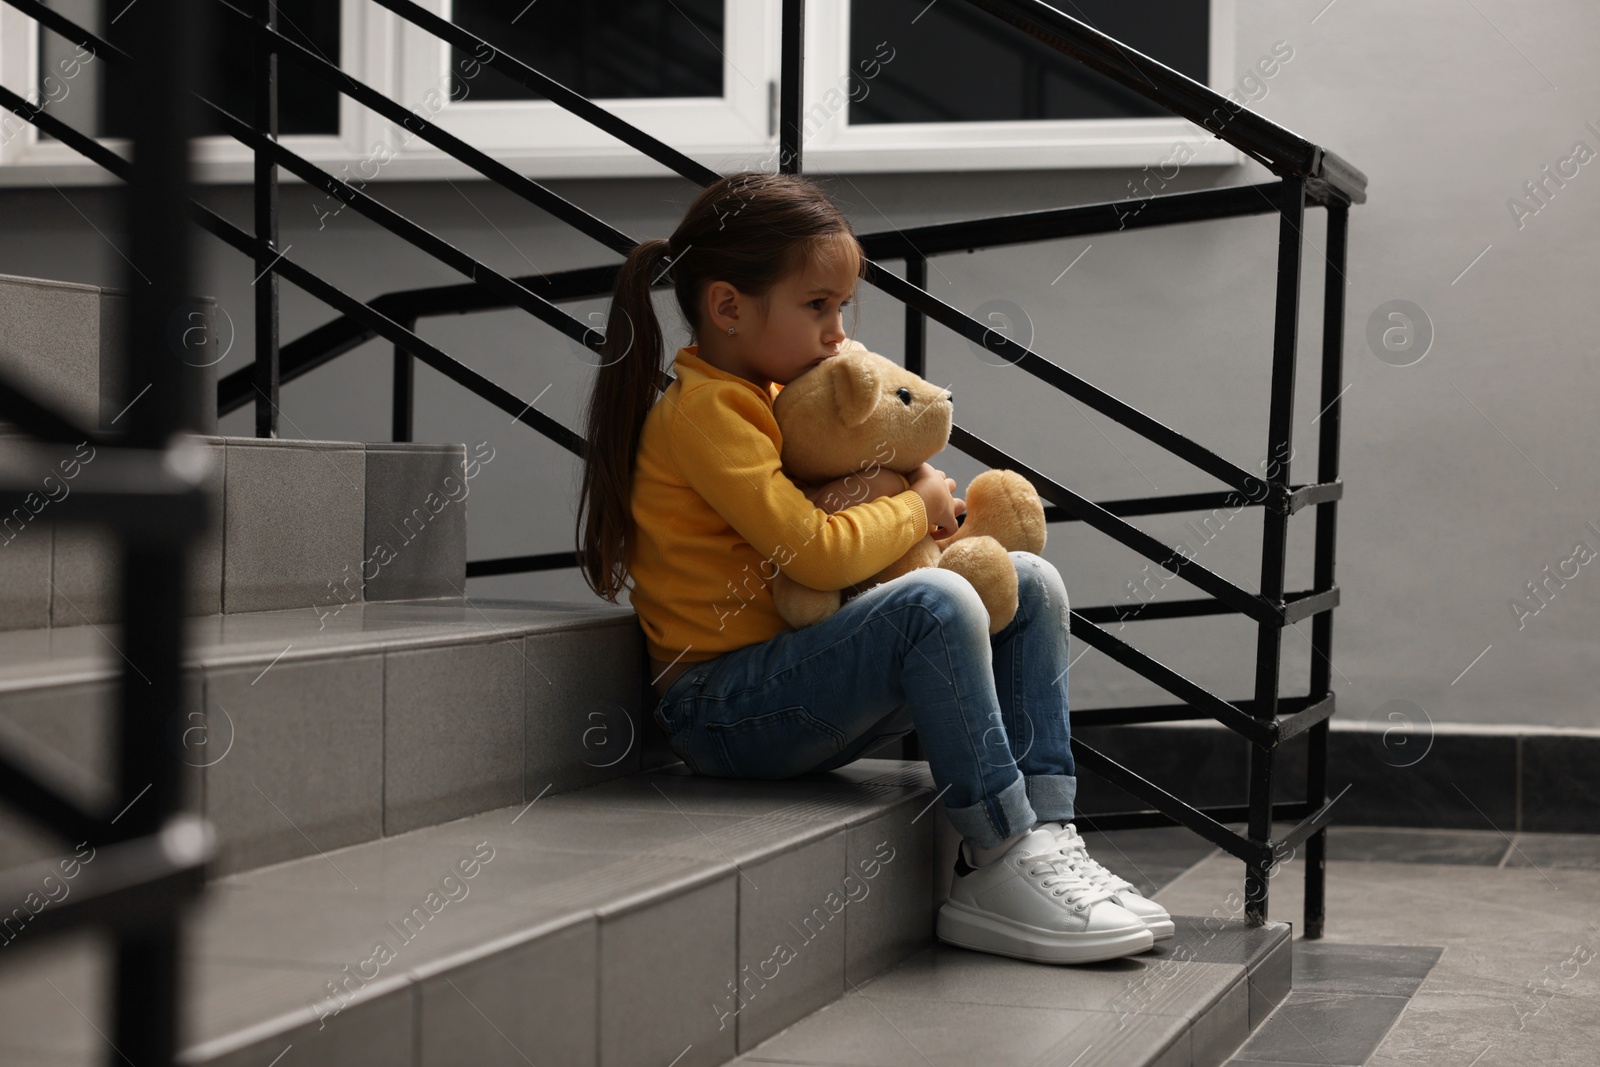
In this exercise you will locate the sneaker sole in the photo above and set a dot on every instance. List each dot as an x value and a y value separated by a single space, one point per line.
967 928
1162 929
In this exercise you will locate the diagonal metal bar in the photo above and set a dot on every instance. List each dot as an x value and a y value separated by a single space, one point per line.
341 334
1125 532
19 406
553 91
1310 825
484 164
1167 804
1277 148
379 323
66 28
1255 730
392 331
508 290
44 800
1027 360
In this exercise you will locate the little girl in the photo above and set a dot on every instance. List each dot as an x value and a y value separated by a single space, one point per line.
685 495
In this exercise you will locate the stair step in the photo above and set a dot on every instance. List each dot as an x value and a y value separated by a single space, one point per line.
311 732
294 524
58 339
603 925
1189 1002
609 925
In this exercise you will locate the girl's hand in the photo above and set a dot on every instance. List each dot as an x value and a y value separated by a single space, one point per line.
937 500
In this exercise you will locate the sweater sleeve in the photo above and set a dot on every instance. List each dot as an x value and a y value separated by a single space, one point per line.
727 446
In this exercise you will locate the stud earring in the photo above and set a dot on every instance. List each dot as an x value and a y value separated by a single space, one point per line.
730 329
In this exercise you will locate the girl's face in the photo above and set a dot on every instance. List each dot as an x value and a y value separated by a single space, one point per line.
803 325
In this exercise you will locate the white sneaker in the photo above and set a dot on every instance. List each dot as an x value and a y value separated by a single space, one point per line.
1030 904
1123 892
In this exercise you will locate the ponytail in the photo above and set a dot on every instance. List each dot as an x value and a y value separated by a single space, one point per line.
624 390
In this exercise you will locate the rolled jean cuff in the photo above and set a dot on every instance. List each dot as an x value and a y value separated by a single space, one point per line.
992 820
1052 795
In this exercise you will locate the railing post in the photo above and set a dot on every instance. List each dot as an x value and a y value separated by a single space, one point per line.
265 119
404 388
1275 531
167 43
790 98
916 321
1326 532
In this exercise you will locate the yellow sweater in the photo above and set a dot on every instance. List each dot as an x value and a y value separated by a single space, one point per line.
715 519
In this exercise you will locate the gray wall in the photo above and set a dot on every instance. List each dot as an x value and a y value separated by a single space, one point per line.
1467 472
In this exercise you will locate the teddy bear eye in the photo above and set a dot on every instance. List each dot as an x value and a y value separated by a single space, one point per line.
904 394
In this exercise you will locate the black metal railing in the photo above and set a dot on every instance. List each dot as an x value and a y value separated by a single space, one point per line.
139 860
1306 175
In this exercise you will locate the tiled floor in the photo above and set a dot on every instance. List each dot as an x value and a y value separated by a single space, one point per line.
1514 924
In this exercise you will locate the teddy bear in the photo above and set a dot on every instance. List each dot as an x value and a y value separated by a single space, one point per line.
859 411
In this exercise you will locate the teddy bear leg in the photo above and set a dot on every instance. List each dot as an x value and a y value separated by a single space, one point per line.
984 562
1004 505
800 605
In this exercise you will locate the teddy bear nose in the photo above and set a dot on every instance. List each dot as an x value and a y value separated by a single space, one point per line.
950 396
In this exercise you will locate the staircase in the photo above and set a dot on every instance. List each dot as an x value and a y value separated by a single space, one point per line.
448 830
426 829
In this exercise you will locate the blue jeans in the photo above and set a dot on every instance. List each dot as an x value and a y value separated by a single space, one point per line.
915 652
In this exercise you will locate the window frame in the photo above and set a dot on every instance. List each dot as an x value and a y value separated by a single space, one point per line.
365 52
544 141
1017 144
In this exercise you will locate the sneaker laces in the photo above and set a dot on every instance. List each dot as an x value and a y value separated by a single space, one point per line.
1060 878
1076 853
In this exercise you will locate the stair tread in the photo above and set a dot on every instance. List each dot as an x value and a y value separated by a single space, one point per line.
1178 1003
77 653
262 943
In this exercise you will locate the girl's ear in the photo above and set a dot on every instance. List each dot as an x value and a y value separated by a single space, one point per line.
722 306
855 388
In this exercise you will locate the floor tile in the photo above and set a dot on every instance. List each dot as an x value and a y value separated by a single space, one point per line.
1471 848
1387 970
1323 1028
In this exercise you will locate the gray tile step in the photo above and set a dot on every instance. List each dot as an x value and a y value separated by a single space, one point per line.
59 340
606 925
636 922
1189 1002
317 525
304 732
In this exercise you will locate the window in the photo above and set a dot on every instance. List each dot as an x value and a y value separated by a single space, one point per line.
913 85
891 85
96 96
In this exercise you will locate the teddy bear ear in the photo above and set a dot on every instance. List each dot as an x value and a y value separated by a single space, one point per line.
855 389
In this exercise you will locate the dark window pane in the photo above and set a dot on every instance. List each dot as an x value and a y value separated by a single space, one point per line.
305 104
956 63
604 49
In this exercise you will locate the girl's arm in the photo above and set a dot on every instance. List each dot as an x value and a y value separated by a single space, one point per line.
857 488
861 487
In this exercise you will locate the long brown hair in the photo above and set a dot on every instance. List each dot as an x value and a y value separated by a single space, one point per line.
750 229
